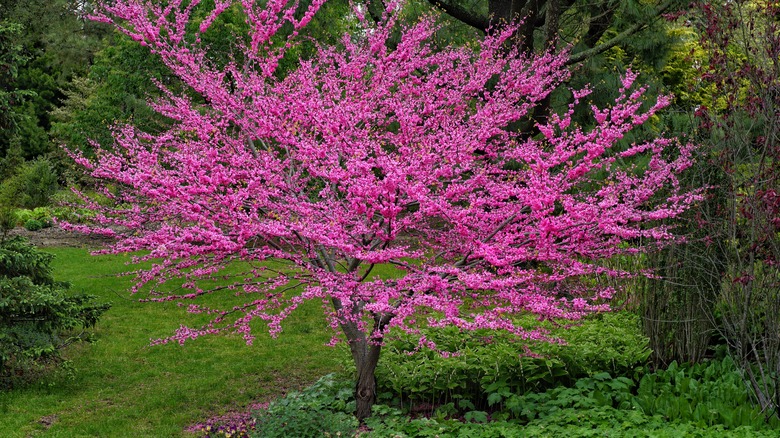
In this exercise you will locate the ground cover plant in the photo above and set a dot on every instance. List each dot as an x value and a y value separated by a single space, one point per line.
376 151
707 399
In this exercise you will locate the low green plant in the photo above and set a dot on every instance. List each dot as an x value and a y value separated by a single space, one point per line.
601 390
605 421
33 225
708 393
595 406
324 409
484 366
575 423
37 314
22 215
41 215
69 207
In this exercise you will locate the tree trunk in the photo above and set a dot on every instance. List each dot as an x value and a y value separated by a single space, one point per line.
365 352
365 387
365 349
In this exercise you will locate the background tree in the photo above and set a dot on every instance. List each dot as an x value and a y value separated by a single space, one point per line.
11 95
59 44
39 316
592 27
602 38
117 86
740 127
365 155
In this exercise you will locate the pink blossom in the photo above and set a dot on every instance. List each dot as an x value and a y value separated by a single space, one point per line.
365 155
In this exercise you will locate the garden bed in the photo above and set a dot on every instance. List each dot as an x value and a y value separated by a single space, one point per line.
55 236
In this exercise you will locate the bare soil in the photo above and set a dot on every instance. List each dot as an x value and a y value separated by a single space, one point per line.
56 236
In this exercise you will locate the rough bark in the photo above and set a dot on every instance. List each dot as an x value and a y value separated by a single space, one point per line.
365 387
365 349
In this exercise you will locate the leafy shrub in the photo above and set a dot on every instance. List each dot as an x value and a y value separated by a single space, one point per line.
20 259
32 186
598 391
37 315
23 215
34 220
487 362
324 409
42 214
69 207
609 342
33 225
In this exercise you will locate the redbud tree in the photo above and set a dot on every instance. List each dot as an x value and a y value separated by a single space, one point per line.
375 153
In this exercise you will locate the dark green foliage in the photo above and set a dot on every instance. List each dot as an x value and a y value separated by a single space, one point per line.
37 315
39 183
595 407
55 42
33 225
117 86
113 92
20 259
321 410
7 221
32 186
598 391
13 159
11 59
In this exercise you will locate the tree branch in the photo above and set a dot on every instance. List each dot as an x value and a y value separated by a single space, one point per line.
636 27
598 24
477 21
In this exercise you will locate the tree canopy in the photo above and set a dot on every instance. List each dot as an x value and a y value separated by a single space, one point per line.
374 153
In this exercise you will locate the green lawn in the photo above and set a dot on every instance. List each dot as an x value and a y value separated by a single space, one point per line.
124 387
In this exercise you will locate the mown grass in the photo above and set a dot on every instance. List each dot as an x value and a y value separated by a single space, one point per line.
121 386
